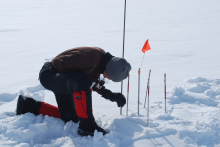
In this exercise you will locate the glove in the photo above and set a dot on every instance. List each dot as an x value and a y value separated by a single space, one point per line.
114 97
99 129
98 90
121 101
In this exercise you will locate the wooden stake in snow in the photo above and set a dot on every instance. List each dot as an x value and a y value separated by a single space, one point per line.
139 71
127 95
165 89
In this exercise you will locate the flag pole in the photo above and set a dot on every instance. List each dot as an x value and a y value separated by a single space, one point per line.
142 60
146 47
127 95
165 90
123 47
139 71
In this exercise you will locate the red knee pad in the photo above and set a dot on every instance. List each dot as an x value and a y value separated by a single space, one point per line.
50 110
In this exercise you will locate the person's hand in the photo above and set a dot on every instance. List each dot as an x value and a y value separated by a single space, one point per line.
120 99
103 131
99 89
114 97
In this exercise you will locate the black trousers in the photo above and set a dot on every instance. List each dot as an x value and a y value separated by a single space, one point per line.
64 85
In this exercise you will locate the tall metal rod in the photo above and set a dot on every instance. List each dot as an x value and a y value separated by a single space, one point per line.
165 91
127 95
145 97
147 90
139 71
142 60
123 47
148 107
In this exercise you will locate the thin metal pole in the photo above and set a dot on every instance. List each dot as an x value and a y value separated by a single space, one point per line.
148 107
124 29
123 47
147 88
121 93
142 60
127 95
139 71
165 90
145 97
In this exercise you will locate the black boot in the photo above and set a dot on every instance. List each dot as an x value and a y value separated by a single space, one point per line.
27 104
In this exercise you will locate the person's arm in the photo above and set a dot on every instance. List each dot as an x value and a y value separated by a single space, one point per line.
107 94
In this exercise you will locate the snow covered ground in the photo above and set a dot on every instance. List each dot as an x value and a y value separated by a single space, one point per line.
184 36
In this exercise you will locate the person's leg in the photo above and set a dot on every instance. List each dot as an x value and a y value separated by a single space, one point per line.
52 80
50 110
80 95
83 106
27 104
66 106
78 85
63 85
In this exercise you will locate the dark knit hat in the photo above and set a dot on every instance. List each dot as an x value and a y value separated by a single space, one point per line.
118 69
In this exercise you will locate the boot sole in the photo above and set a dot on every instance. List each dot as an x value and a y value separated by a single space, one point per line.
84 133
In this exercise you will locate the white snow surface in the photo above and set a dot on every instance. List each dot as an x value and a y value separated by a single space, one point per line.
184 36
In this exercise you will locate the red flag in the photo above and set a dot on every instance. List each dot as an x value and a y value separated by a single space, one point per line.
146 46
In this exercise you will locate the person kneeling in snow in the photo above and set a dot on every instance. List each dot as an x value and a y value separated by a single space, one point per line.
69 76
